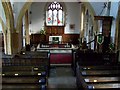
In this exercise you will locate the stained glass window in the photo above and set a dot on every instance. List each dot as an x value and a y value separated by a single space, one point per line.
55 14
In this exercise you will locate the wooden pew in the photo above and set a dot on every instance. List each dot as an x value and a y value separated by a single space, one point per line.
101 67
104 86
25 71
97 81
15 75
100 79
97 77
101 72
35 54
22 87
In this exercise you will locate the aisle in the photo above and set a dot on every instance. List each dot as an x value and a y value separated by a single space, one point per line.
61 78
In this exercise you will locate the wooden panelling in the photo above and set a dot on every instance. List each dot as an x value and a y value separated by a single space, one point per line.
37 38
57 30
67 38
106 31
71 38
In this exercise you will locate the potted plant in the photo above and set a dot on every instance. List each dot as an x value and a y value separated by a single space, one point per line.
42 35
42 31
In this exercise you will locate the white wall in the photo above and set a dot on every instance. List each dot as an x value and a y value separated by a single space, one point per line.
2 14
38 17
97 6
0 28
114 13
73 17
17 7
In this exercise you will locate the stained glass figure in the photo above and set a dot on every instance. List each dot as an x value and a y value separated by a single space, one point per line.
55 14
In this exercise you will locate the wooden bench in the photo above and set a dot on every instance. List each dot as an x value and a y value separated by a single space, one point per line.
98 77
104 86
22 87
29 71
25 69
89 57
26 58
19 76
101 67
97 81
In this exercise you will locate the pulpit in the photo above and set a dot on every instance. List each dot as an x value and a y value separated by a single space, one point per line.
106 30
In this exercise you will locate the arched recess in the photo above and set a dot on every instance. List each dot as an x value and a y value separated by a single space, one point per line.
7 33
92 12
4 28
3 25
88 7
20 22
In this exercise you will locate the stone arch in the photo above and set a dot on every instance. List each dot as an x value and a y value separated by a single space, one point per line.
21 14
4 28
92 12
7 37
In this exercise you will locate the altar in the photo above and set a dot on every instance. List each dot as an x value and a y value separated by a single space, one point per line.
58 53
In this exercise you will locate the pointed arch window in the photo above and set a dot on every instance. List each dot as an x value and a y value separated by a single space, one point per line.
55 15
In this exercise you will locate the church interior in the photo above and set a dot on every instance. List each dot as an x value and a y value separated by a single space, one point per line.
59 44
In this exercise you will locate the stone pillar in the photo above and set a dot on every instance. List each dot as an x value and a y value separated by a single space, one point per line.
15 43
5 42
8 44
27 28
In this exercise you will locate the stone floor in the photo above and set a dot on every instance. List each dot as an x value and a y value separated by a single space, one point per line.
61 78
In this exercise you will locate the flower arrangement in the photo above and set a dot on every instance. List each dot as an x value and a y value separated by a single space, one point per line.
42 31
